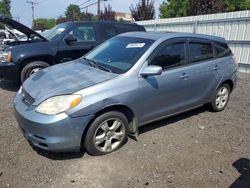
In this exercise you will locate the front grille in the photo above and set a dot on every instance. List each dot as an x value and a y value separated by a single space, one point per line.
26 98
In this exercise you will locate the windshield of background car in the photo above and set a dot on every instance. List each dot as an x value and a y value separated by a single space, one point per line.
119 54
55 31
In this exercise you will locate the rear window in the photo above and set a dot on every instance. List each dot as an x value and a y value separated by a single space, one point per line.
200 52
222 50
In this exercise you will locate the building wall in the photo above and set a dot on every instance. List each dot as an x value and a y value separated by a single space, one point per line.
233 26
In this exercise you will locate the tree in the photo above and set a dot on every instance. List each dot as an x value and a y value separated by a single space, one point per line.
174 8
73 12
199 7
178 8
107 14
5 7
4 10
86 16
61 19
144 10
43 24
237 5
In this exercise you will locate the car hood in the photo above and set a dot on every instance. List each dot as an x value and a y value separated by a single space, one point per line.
20 27
62 79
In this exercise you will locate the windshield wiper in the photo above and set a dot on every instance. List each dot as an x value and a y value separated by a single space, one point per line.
96 65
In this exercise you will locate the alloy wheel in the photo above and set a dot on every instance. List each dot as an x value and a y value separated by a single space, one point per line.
222 97
109 135
33 71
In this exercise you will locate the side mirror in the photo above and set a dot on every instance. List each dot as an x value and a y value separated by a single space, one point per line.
69 39
151 70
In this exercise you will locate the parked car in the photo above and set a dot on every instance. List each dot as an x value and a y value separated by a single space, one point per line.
64 42
128 81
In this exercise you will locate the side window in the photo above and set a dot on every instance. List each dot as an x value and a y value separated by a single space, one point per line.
222 50
84 33
108 31
200 52
172 55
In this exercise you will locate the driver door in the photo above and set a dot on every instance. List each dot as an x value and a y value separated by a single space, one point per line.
86 41
166 93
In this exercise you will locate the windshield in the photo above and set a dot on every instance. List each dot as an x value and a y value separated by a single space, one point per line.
55 31
119 54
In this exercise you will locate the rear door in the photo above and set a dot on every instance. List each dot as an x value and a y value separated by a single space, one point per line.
86 41
204 71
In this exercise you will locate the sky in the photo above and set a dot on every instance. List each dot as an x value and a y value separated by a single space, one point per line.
56 8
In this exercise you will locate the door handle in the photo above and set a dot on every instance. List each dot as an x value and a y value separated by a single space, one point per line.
216 68
184 76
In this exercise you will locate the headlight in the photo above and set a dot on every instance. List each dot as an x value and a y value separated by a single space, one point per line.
58 104
5 57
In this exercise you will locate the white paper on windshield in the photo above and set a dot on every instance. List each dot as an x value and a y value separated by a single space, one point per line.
135 45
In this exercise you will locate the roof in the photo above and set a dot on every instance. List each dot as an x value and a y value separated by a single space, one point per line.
100 21
168 35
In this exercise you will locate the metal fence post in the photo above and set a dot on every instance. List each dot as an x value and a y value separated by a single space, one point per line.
195 26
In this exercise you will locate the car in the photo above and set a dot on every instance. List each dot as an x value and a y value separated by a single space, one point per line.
65 42
126 82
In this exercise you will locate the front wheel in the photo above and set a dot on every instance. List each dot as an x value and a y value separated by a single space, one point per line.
107 133
32 68
220 98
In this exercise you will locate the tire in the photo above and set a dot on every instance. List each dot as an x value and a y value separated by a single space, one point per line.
31 68
111 134
220 98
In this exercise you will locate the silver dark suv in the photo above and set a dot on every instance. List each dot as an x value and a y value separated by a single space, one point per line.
128 81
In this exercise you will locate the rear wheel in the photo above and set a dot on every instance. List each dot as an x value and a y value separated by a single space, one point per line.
220 98
107 133
32 68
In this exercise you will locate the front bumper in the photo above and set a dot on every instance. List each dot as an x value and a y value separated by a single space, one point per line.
60 133
9 72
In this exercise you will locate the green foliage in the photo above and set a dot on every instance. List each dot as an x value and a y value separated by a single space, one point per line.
107 14
94 18
199 7
61 19
84 16
43 23
237 5
178 8
144 10
173 8
5 7
73 12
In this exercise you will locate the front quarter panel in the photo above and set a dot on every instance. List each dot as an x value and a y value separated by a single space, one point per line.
32 50
121 90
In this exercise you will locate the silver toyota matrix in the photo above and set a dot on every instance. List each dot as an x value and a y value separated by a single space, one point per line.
128 81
